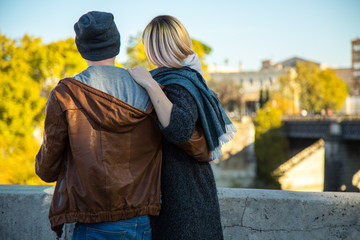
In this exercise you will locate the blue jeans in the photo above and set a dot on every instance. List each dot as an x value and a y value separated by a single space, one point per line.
137 228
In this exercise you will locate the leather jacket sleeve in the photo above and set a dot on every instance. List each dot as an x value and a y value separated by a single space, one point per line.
50 158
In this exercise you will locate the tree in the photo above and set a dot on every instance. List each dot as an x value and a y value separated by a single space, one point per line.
20 110
202 50
311 86
334 91
270 145
264 99
267 118
319 89
287 98
22 105
56 61
29 69
136 53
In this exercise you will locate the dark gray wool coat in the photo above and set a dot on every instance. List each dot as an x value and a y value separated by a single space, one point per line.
190 208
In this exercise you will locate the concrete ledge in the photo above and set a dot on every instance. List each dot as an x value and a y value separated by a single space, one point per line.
246 214
24 213
278 215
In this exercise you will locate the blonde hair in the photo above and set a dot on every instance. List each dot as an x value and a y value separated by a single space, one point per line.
166 42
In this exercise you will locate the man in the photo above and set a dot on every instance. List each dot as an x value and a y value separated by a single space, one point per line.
101 144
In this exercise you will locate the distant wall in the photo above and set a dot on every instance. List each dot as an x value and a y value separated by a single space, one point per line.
246 214
304 171
237 166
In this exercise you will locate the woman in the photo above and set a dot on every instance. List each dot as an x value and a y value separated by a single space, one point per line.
190 208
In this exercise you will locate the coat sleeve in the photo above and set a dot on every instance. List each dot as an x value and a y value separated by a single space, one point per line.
184 115
50 158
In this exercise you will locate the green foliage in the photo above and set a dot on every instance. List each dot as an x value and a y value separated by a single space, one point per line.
334 91
56 61
17 161
319 89
136 53
201 50
20 108
270 151
22 104
287 98
270 146
267 118
264 99
310 85
29 69
60 59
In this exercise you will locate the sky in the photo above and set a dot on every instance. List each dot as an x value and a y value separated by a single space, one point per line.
238 31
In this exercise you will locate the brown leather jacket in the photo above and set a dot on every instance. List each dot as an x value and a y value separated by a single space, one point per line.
104 154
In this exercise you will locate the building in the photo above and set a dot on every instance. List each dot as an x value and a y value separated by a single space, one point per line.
355 67
352 103
344 74
351 76
266 79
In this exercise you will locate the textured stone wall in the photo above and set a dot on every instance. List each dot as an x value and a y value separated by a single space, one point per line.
304 171
284 215
246 214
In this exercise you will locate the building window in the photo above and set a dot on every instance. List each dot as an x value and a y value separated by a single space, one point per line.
241 80
357 65
357 56
357 47
251 81
356 73
270 80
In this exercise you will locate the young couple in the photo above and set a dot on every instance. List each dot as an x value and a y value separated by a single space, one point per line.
116 141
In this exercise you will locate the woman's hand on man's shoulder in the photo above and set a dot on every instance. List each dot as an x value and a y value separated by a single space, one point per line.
142 76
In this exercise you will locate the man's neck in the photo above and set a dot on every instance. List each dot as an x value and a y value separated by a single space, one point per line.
109 61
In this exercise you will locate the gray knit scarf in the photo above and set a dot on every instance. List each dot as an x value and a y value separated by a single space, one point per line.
218 128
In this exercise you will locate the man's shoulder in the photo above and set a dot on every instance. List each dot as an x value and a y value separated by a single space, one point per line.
123 72
121 69
110 71
64 86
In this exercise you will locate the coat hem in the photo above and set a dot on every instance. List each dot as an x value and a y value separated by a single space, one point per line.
57 221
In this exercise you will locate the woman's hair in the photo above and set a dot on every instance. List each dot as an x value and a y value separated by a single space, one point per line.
166 42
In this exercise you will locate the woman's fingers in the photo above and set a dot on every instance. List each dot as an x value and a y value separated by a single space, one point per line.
141 76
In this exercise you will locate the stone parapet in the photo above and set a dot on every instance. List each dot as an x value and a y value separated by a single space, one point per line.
245 213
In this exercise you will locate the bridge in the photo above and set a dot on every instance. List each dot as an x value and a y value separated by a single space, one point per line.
342 145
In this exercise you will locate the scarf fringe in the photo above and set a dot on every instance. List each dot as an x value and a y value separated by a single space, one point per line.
226 137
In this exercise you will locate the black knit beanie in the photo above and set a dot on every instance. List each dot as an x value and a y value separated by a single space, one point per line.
97 37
